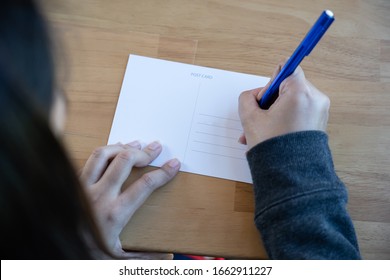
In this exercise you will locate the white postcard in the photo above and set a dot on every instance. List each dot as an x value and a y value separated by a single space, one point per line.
191 110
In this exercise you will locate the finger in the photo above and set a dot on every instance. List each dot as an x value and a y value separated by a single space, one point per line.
120 167
99 159
298 74
242 139
295 79
274 74
248 101
279 67
136 194
152 151
260 94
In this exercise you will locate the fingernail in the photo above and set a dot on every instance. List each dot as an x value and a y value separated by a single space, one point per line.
154 145
134 144
174 163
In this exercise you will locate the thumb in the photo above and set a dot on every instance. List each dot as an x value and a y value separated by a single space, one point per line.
248 100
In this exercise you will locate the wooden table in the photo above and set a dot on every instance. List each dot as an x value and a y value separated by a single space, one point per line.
208 216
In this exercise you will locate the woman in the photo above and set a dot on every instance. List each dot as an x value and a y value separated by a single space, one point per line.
46 212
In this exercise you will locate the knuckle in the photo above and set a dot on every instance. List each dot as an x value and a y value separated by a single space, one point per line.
243 94
325 104
282 61
168 173
148 181
99 152
127 156
150 154
298 92
326 101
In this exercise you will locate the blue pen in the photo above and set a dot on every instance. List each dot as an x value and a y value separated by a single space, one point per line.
305 47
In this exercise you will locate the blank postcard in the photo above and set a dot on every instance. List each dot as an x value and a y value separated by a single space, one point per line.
191 110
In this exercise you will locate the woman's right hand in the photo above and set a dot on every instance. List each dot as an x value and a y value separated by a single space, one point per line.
299 107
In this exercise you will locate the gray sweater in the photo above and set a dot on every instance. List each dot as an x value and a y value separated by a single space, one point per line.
300 202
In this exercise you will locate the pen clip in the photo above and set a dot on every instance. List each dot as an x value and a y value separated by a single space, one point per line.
318 30
314 42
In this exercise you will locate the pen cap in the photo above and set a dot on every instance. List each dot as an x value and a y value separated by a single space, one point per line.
322 24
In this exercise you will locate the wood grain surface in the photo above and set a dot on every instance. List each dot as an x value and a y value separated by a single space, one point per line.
207 216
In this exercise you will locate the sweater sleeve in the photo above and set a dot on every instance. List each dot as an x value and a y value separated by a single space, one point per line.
300 202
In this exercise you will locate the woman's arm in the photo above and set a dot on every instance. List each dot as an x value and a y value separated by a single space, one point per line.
300 202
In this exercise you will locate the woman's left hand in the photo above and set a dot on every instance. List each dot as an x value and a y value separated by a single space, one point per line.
105 173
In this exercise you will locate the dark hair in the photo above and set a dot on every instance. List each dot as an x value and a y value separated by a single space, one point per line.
44 211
